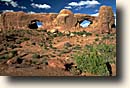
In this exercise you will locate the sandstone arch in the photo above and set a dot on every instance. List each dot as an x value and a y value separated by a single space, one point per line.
19 20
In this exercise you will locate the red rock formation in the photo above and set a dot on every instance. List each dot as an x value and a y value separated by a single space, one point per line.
65 18
104 23
20 20
106 19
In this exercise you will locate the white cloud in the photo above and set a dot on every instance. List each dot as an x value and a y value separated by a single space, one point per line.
81 3
68 7
14 4
96 14
6 0
115 14
78 8
73 4
11 2
96 10
31 0
31 12
8 11
22 7
43 6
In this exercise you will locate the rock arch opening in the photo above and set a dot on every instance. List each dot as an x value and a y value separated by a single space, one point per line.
35 24
85 23
113 26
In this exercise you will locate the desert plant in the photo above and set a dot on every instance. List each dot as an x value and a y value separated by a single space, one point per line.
97 34
41 44
35 56
5 56
18 41
77 47
67 44
25 38
60 34
97 39
12 46
33 43
14 52
65 51
93 59
82 33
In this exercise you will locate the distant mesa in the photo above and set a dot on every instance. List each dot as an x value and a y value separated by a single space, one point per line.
103 23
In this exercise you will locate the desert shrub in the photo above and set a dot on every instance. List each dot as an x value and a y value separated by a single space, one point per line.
97 34
35 56
82 33
97 39
51 46
65 51
25 38
67 44
106 37
6 56
45 47
49 33
77 47
18 41
1 49
41 44
88 33
12 46
54 35
34 62
93 58
75 71
33 43
9 55
14 52
60 34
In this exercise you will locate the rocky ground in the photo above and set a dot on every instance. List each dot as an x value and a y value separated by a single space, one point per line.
42 53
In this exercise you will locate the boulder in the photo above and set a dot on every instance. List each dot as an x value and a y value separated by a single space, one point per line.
54 30
66 18
72 34
56 63
65 11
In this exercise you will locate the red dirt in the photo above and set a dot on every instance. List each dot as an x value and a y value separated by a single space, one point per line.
52 53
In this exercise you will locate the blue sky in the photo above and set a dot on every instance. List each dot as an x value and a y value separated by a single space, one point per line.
46 6
77 6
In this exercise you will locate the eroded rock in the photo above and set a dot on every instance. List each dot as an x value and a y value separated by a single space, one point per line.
104 23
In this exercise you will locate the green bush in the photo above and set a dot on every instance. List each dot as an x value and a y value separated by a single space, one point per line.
33 43
97 39
18 41
35 56
60 34
77 47
6 56
41 44
25 39
14 52
93 58
82 33
97 34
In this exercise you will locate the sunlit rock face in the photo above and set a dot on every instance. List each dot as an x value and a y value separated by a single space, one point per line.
103 23
106 19
65 18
